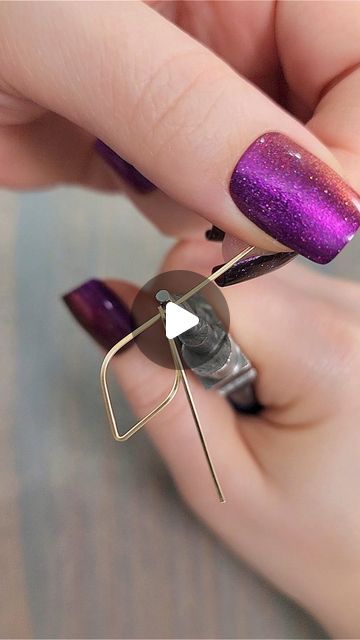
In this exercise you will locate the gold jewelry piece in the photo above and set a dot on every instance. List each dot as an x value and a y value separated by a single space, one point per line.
180 375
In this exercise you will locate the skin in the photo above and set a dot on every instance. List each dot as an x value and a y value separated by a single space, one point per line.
70 72
95 80
290 475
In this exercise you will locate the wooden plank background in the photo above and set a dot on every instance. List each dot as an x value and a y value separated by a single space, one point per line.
93 539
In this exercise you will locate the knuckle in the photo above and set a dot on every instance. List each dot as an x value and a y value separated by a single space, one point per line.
348 293
180 96
343 357
351 293
347 339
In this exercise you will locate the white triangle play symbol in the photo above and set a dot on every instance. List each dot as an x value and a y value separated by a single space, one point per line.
178 320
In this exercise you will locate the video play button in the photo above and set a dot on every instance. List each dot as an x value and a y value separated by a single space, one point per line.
178 320
165 289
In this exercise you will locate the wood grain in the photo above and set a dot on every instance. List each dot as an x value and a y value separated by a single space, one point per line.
94 541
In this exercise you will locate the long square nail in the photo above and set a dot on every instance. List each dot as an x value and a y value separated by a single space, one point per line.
295 197
100 312
253 267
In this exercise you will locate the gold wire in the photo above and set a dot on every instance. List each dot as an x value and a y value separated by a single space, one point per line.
179 373
180 368
149 323
106 394
215 275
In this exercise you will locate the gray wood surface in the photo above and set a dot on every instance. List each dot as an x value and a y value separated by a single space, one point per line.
93 539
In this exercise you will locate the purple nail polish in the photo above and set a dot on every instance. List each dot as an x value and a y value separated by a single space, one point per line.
100 312
253 267
295 197
125 170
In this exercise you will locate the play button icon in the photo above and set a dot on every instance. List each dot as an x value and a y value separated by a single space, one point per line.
165 289
178 320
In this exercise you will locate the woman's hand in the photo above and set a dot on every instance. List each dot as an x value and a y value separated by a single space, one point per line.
73 72
121 72
291 475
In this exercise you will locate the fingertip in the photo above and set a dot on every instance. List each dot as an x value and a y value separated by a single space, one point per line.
193 255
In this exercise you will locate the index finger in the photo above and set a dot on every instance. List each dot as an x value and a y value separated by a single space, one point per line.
183 118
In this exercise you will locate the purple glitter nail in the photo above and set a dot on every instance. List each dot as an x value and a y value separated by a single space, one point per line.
100 312
295 197
125 170
253 267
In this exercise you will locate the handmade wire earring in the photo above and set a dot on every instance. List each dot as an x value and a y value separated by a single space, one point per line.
235 381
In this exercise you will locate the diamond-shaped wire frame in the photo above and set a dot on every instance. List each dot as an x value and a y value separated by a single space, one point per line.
131 336
106 393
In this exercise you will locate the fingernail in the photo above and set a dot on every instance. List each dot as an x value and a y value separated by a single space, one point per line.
295 197
100 312
214 234
253 267
125 170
